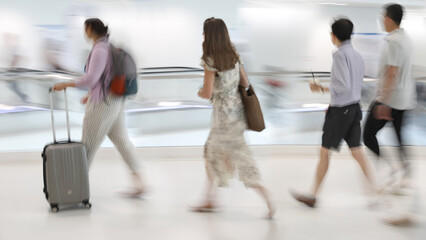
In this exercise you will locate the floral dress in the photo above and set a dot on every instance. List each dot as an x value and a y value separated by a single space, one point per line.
226 152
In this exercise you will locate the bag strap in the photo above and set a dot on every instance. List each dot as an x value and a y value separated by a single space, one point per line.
241 74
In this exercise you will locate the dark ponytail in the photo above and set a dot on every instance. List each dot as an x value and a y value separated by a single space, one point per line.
97 26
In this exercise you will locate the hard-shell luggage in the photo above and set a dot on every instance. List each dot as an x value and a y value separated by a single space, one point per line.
65 170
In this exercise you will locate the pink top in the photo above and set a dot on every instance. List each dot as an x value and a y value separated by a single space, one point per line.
98 70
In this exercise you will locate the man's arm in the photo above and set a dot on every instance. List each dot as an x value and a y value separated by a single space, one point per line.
389 83
339 74
383 111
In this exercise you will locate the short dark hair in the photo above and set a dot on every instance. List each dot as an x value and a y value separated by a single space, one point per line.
395 12
342 29
97 26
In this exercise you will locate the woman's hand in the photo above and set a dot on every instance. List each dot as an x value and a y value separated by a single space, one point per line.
203 94
60 86
84 99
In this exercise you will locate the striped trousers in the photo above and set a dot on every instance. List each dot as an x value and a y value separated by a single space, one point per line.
107 118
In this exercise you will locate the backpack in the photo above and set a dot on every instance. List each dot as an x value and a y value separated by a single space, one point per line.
124 81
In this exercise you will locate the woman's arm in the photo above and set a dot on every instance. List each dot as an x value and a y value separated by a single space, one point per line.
97 64
243 78
62 85
206 91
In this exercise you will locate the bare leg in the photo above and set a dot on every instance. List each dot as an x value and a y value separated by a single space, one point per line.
210 193
139 184
365 165
322 169
264 193
208 204
139 188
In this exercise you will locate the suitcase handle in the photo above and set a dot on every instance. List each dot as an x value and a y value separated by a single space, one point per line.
53 118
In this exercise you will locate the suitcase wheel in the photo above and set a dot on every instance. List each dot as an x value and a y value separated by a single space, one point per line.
87 204
54 207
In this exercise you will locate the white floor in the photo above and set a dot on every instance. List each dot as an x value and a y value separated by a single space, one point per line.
176 177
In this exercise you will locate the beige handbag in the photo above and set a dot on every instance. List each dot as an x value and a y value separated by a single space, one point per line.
252 110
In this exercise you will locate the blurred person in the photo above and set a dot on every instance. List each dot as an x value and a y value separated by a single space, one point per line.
275 88
226 151
53 53
396 90
396 93
343 117
13 58
104 114
404 209
13 55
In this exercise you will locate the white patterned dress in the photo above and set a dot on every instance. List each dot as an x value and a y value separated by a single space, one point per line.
226 152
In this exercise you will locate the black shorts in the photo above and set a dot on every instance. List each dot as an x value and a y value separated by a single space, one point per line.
342 123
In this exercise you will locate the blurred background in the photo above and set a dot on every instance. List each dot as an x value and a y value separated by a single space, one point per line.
282 43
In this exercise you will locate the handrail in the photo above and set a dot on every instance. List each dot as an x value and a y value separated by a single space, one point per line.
179 67
197 73
151 70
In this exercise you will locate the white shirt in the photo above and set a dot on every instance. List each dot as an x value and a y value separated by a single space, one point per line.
397 52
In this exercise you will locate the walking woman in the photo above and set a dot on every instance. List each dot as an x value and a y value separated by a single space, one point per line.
104 114
226 151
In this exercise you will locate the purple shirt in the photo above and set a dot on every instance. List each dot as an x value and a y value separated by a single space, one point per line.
347 75
98 70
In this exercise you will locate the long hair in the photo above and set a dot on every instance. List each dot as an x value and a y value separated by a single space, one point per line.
217 45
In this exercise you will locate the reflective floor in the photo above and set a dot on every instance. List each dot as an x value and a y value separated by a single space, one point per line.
176 176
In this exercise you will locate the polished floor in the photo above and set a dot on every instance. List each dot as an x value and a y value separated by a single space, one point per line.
176 177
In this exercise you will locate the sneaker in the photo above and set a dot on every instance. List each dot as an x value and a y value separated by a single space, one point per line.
306 199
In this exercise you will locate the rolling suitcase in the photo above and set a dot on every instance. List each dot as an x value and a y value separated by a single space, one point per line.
65 171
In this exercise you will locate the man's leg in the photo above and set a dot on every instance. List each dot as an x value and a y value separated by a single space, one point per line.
321 171
364 163
372 126
322 168
398 116
331 138
353 139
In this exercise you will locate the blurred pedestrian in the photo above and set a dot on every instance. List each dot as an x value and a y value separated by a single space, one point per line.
226 151
396 89
104 114
14 57
342 120
396 94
